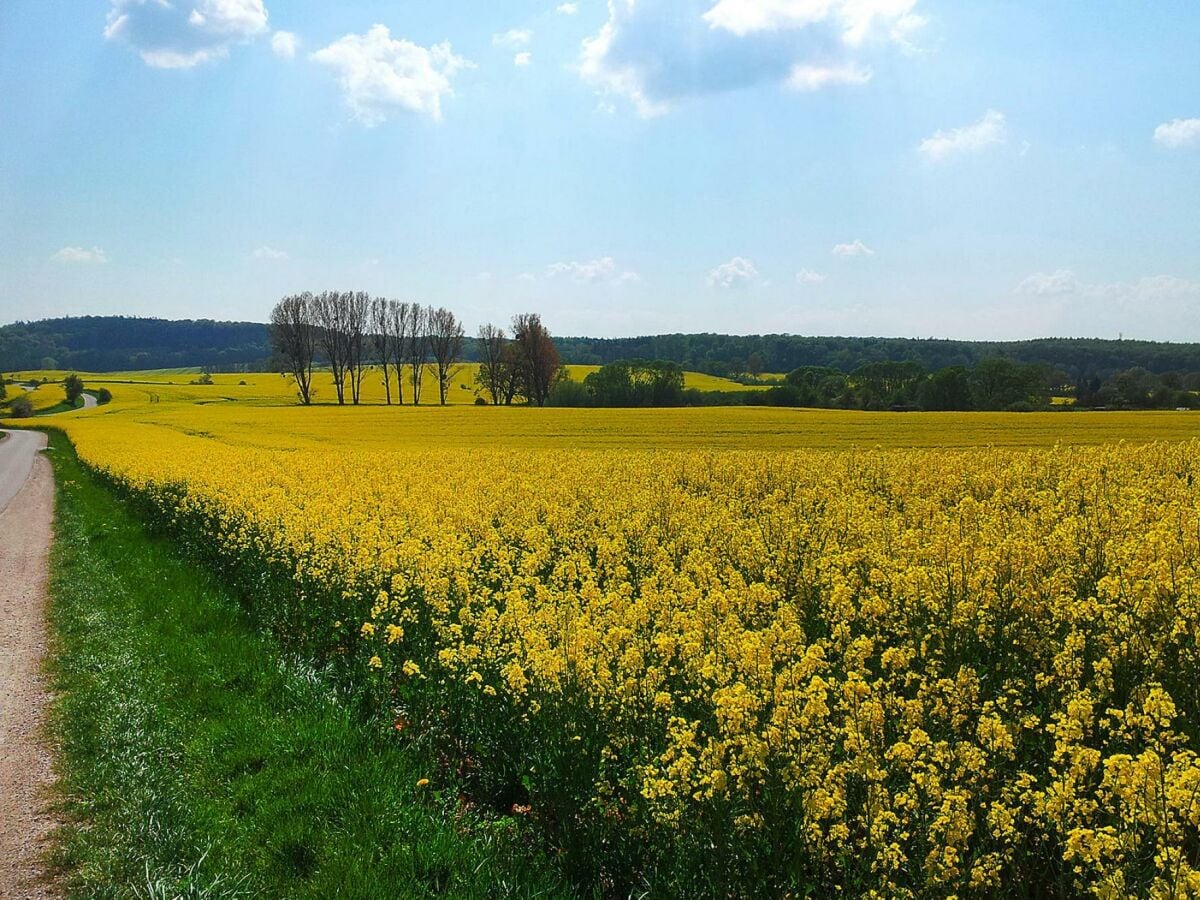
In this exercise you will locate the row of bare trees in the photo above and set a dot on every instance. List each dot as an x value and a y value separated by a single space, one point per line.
352 332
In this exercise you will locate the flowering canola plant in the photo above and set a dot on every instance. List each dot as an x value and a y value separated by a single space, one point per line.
887 672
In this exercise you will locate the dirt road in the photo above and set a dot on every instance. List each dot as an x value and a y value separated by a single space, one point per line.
26 515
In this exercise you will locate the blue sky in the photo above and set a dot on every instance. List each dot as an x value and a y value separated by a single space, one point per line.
874 167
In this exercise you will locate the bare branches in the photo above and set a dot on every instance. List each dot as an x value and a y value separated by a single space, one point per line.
351 331
294 336
416 345
490 343
445 341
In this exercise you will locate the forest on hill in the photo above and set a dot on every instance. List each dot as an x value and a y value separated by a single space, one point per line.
121 343
126 343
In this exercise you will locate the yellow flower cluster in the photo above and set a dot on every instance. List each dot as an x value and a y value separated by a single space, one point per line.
906 672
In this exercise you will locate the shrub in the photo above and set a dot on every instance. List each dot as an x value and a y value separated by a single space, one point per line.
21 408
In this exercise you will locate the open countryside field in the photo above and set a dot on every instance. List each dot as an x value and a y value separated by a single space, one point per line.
257 409
907 653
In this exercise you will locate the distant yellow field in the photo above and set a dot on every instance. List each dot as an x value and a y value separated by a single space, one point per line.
43 397
272 388
259 409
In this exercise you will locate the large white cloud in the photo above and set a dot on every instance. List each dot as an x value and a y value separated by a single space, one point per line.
855 18
944 145
1178 133
658 52
181 35
380 74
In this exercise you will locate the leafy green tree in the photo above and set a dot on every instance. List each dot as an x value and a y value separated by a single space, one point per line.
999 383
73 386
947 389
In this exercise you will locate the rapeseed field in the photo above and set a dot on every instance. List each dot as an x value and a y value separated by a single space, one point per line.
693 650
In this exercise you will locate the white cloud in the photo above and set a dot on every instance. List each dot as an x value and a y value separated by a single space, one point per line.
269 253
1178 133
857 248
284 44
522 59
814 78
655 53
514 37
379 74
1159 305
943 145
74 255
738 272
1150 290
857 19
567 9
807 276
1049 284
526 276
184 34
592 271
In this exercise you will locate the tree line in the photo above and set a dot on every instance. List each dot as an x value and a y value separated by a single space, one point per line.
994 383
121 343
352 333
747 356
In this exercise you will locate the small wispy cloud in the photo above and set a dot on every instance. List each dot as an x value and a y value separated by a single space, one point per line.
737 273
943 145
855 248
567 9
284 44
269 253
514 37
81 256
522 59
1178 133
1049 284
807 276
814 78
596 270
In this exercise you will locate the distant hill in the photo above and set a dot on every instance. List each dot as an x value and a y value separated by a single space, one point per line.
723 354
116 343
121 343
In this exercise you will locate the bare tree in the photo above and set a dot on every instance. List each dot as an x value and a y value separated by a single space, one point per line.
399 324
329 313
538 356
445 341
491 341
417 346
382 342
295 339
358 318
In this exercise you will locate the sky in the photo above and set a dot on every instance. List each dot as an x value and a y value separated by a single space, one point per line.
998 169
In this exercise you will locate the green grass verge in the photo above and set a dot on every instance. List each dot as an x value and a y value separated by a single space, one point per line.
62 407
199 761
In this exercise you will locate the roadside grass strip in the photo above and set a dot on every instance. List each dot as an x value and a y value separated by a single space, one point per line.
200 761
